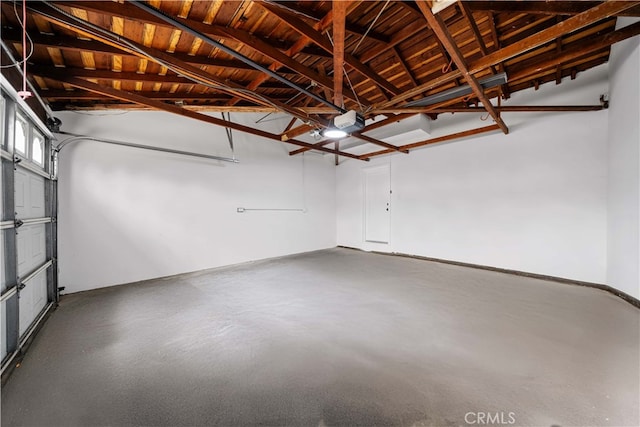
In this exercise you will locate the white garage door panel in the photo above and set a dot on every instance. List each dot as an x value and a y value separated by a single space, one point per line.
20 184
36 184
29 195
32 249
3 314
4 279
23 264
1 185
33 298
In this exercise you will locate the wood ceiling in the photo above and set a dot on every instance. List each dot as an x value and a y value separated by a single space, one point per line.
375 57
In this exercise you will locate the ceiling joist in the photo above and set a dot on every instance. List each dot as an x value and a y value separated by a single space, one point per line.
372 57
439 28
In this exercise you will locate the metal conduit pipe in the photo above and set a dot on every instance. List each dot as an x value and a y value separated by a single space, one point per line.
160 14
76 137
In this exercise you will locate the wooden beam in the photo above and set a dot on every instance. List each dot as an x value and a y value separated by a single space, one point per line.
323 73
585 47
129 11
506 92
595 14
162 95
404 67
543 7
374 141
74 44
291 123
502 109
468 15
440 30
418 90
558 51
349 27
297 47
318 38
258 44
171 108
437 140
278 56
44 71
369 128
405 33
339 8
163 58
572 24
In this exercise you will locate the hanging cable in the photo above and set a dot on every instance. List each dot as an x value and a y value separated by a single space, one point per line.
24 93
369 29
447 68
24 32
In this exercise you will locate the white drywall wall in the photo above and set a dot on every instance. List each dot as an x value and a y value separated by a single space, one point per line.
533 200
623 245
127 214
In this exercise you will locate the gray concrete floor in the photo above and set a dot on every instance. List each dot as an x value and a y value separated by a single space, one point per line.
328 338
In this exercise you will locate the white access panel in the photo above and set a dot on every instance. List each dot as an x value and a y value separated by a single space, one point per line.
29 195
33 298
377 190
32 248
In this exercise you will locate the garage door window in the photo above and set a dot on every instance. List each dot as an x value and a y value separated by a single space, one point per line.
37 148
21 136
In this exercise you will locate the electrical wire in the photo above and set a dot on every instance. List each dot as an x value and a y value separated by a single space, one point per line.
370 28
24 28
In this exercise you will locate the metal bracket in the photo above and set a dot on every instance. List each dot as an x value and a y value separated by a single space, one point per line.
18 223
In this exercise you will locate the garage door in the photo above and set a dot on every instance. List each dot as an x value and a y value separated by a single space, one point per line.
28 226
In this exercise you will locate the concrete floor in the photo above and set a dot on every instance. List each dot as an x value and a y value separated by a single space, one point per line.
335 337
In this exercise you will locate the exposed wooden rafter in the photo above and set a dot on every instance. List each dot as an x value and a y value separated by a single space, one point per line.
451 137
163 58
290 56
595 14
439 28
252 41
318 38
508 109
377 125
545 8
349 27
135 98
